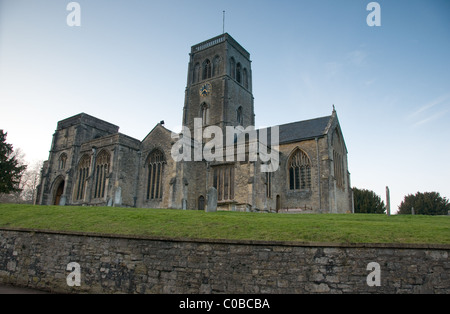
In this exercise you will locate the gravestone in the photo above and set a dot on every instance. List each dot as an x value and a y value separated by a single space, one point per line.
63 200
211 205
118 197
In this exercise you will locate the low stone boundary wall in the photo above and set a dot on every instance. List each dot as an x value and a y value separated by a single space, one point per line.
54 261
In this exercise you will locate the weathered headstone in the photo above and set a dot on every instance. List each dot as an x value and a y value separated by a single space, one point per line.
63 200
211 205
118 197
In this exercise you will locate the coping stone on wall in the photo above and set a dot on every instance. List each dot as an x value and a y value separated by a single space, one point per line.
240 242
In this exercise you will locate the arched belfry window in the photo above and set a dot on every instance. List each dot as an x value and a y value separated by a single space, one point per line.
299 171
102 165
83 174
238 73
206 72
233 68
155 167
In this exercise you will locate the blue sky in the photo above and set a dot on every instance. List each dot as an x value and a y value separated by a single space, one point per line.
127 64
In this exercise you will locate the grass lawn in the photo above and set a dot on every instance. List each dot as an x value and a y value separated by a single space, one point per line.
338 228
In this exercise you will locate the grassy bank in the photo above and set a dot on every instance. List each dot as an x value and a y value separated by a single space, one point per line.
339 228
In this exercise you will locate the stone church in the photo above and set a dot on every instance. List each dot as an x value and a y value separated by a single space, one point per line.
91 163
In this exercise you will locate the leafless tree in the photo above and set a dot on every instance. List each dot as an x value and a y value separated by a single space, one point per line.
28 182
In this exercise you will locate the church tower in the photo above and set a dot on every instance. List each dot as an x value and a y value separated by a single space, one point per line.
219 84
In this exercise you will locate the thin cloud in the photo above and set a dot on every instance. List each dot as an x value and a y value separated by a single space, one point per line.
430 118
425 113
429 105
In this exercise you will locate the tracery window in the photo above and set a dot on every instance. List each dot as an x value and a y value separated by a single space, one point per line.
338 169
223 181
155 167
299 171
83 174
338 159
102 165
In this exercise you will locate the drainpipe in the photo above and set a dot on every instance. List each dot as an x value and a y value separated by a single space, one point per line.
137 177
318 175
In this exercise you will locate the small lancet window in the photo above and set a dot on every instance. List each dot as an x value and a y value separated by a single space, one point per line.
205 114
239 116
62 161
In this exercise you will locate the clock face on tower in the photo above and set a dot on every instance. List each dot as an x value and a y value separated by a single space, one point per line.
205 90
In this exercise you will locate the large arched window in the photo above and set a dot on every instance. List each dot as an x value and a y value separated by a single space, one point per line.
101 172
155 167
299 171
223 181
338 159
206 69
83 174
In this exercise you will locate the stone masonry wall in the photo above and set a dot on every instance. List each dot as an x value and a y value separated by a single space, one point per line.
119 264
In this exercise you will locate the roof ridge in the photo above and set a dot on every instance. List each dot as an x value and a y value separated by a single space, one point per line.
319 118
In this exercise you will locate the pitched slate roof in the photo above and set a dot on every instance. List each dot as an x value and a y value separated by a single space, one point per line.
302 130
